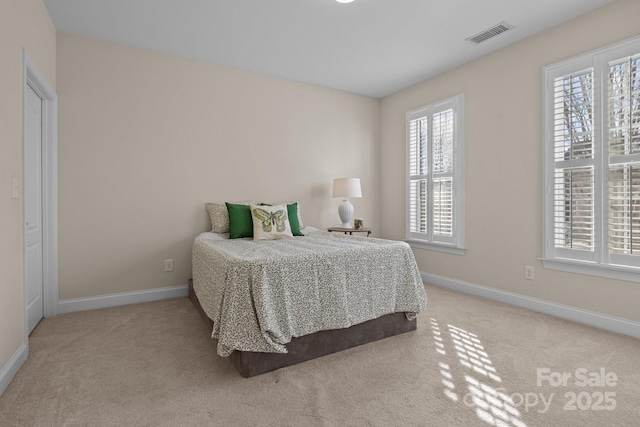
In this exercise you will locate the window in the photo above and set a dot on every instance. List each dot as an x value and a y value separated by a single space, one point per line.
435 164
592 163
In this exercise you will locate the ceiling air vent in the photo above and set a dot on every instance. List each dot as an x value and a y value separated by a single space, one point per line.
490 32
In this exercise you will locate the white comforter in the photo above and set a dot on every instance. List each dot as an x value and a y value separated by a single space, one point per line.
261 294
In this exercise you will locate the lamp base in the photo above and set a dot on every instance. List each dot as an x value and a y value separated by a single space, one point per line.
345 210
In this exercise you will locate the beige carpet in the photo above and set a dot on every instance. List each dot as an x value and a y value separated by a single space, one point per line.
471 362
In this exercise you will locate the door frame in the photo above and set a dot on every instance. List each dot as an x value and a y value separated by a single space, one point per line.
34 78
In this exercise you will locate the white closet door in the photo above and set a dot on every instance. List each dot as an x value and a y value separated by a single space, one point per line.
33 209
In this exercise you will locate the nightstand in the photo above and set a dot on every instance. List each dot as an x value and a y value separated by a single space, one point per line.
350 230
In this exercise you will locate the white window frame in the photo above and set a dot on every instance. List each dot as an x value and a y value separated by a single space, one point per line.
598 262
453 244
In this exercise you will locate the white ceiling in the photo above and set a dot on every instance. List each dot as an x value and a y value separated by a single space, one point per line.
368 47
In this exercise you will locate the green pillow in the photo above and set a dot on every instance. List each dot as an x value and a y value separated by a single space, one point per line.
240 222
292 212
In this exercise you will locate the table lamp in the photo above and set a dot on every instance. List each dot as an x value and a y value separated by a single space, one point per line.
347 188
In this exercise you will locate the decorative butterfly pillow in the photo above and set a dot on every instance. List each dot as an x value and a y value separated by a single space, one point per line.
270 222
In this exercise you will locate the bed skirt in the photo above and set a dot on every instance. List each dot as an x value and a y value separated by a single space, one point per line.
315 345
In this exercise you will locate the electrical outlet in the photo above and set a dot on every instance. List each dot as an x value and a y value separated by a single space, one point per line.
168 265
528 272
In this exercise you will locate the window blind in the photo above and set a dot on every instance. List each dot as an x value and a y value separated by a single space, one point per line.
418 185
573 195
442 166
443 207
431 172
623 114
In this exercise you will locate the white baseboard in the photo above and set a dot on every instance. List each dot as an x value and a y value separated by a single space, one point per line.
598 320
11 368
124 298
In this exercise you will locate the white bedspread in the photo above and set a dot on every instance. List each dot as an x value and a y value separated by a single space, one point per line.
261 294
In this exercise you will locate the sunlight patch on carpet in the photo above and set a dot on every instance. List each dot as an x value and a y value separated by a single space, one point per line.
492 405
485 395
445 370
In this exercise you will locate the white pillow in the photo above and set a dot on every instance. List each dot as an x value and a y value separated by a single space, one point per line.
270 222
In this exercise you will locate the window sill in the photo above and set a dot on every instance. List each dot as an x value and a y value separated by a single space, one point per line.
630 274
449 249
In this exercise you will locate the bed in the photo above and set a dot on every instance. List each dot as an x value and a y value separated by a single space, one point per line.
274 303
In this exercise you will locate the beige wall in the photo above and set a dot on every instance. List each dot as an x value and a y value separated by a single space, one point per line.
23 24
145 139
503 157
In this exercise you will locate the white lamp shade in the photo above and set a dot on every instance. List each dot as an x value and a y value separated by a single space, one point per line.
347 187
